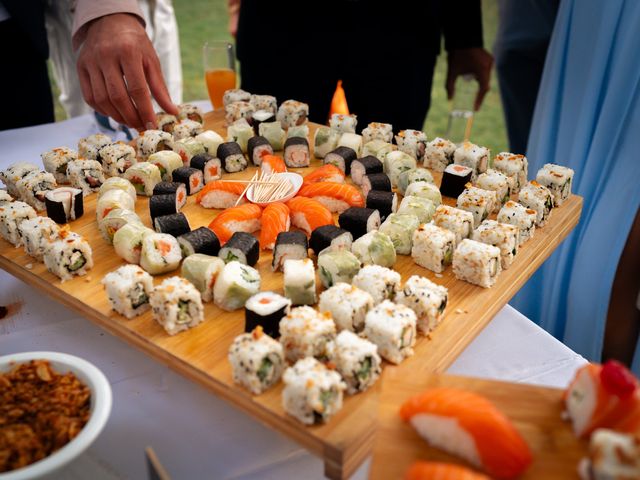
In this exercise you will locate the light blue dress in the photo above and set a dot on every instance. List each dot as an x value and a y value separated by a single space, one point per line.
587 117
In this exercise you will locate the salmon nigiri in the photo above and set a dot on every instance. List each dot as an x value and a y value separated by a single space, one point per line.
220 194
441 471
326 173
275 219
273 164
243 218
466 424
309 214
603 396
337 197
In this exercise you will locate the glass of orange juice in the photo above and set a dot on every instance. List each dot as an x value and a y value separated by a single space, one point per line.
219 70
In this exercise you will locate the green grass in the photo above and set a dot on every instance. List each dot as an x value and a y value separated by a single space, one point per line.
202 20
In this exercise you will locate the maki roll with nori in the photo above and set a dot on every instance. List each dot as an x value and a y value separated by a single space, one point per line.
200 240
330 236
160 205
359 220
242 247
341 157
231 156
365 166
266 309
191 177
296 152
257 147
454 179
289 245
64 204
385 202
376 181
175 224
179 189
210 166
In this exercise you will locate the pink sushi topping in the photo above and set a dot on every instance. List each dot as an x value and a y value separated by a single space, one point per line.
617 379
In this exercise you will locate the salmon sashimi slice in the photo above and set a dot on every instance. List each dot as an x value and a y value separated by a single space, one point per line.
326 173
273 164
275 219
603 396
337 197
441 471
466 424
220 194
243 218
308 214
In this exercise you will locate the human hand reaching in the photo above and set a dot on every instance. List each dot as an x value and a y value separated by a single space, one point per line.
474 61
119 71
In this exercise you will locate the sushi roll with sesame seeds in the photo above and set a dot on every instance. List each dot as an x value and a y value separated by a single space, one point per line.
128 290
433 247
438 154
11 216
238 111
478 205
557 179
427 299
176 305
166 121
347 304
473 156
458 221
55 162
89 147
15 172
312 393
392 328
501 235
36 234
69 255
300 281
525 219
264 102
117 158
537 198
476 263
257 361
304 332
356 359
292 113
381 283
265 310
377 131
186 128
412 142
343 123
202 271
235 95
189 111
34 187
499 183
513 166
152 141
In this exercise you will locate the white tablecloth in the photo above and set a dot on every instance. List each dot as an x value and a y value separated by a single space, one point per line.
195 434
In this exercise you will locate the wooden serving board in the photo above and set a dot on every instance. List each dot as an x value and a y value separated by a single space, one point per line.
201 353
535 412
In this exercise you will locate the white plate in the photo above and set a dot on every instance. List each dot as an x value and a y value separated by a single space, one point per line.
101 400
294 178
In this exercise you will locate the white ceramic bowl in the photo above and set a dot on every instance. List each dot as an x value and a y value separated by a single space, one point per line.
100 409
294 178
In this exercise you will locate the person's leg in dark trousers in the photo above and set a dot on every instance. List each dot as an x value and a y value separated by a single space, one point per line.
24 85
378 92
519 74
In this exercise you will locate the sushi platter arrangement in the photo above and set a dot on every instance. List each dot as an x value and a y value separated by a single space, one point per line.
455 427
285 274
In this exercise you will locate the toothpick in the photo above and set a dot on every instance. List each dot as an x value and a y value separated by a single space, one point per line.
245 189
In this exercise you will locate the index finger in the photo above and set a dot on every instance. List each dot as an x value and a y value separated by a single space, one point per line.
138 89
483 88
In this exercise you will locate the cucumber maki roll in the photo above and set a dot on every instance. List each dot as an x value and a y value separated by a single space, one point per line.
241 247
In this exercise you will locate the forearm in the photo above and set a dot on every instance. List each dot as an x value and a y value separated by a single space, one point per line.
86 11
